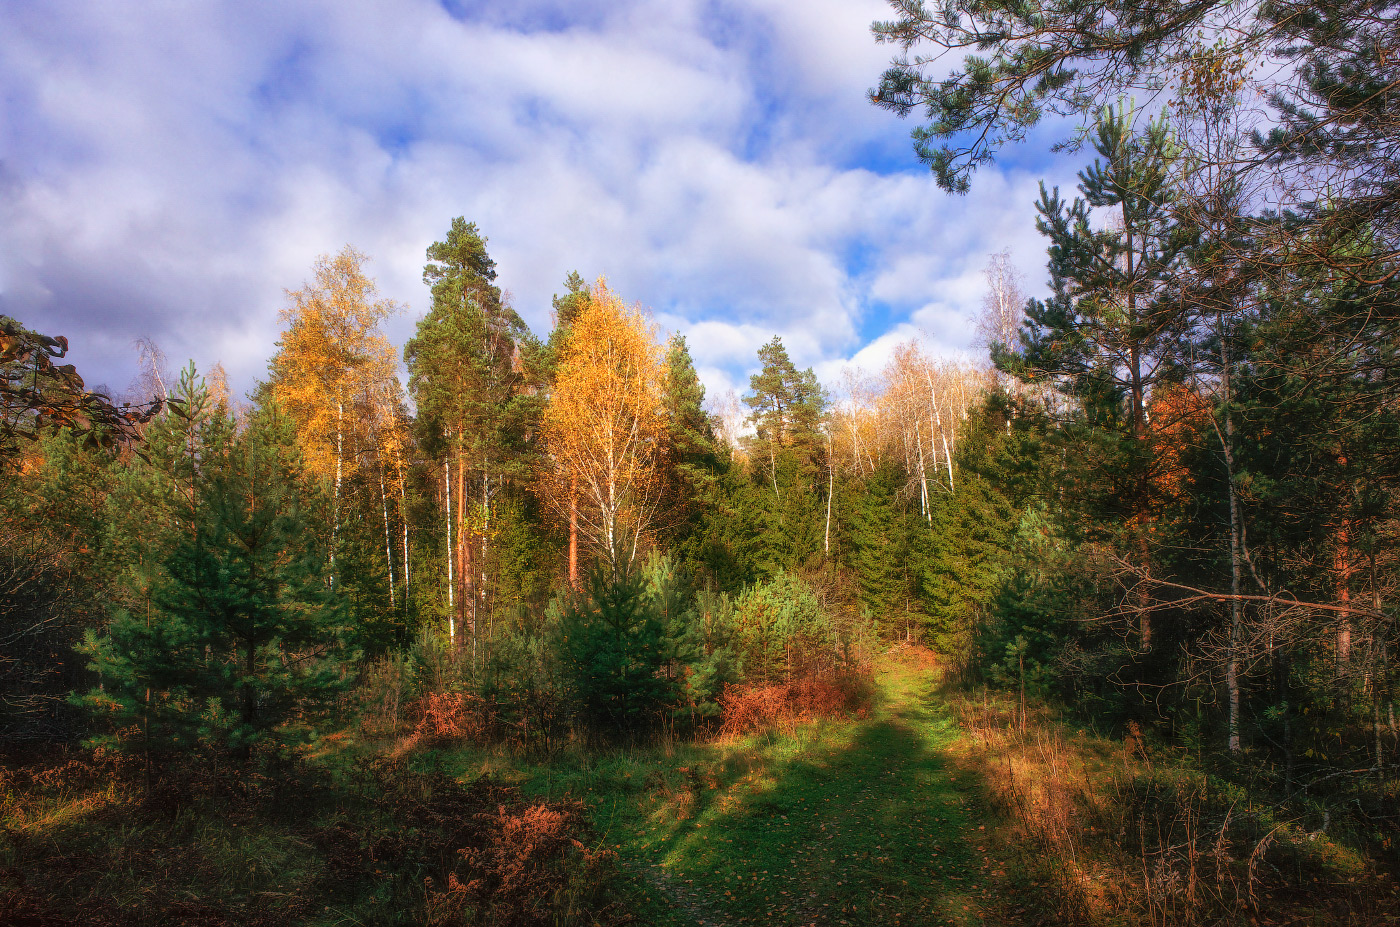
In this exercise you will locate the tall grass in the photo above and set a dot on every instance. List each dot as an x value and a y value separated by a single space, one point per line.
1118 832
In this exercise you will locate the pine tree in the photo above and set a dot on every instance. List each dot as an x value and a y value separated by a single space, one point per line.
692 435
788 409
693 462
612 641
786 405
566 308
697 660
470 365
238 637
1111 329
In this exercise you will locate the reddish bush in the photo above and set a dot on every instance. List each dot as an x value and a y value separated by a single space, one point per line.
748 707
530 868
916 655
446 716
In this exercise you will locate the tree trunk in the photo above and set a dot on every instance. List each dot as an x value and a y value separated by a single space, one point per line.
479 603
335 503
1379 677
1232 666
388 536
403 520
925 509
573 533
830 489
465 587
451 554
1342 569
938 424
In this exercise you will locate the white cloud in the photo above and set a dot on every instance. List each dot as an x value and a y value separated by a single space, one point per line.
168 172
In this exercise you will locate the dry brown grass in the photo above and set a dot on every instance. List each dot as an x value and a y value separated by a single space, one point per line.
1110 834
530 868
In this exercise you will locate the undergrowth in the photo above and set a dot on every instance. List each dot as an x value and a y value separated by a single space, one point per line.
376 840
1125 832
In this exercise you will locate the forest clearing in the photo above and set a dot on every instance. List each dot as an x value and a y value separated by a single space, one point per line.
907 811
820 564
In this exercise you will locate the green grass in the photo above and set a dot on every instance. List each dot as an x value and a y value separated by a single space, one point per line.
854 821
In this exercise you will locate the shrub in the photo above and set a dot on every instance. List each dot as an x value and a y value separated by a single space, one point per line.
697 634
748 708
530 868
783 632
241 640
441 717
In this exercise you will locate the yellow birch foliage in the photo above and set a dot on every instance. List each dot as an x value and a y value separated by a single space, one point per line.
331 359
604 424
917 417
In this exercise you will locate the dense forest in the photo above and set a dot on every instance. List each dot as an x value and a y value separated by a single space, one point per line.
1164 509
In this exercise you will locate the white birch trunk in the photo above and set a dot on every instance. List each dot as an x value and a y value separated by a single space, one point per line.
388 536
925 508
830 489
339 458
938 421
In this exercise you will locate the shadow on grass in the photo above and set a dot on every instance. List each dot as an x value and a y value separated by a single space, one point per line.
867 824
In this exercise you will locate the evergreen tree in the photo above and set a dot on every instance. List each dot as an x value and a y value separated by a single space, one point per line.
566 308
1111 329
239 632
55 576
698 658
882 538
1108 330
691 433
693 459
788 409
613 644
727 543
786 405
470 373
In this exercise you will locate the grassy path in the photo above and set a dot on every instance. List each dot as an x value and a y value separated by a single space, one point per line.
861 822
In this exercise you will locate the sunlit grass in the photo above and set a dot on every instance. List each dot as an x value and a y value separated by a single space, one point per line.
854 819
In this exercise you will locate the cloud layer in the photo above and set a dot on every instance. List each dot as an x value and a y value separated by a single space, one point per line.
167 170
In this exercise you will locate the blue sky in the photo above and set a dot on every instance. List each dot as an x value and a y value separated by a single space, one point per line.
168 169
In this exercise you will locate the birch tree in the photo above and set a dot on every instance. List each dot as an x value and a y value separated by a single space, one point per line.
331 355
604 425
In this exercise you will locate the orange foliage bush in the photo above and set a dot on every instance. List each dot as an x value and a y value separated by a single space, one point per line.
530 869
750 707
915 655
446 716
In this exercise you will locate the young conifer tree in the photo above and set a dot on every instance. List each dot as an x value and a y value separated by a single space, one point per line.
237 636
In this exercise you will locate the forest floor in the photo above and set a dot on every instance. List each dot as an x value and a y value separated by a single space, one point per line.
930 808
871 820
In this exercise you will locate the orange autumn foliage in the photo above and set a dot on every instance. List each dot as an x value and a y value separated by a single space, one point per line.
604 425
1177 416
332 358
750 707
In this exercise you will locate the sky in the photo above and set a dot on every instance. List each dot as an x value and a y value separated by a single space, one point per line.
169 169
